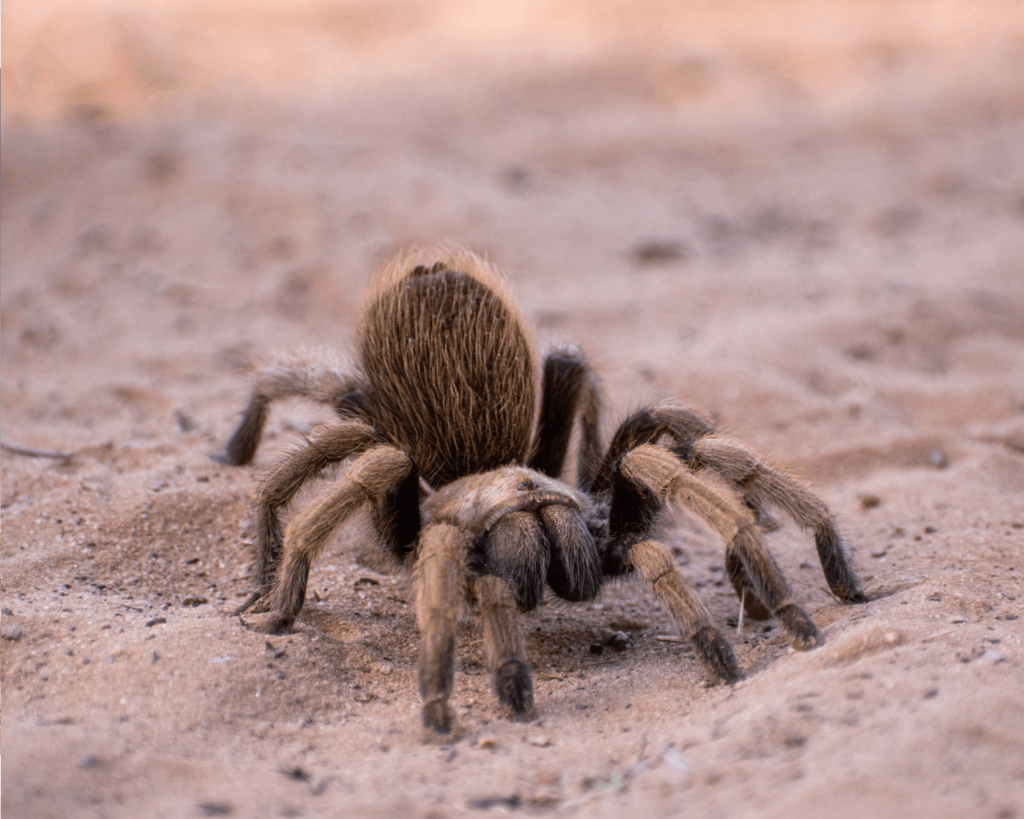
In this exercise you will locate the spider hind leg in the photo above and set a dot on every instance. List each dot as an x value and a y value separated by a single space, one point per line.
569 389
377 476
290 378
763 486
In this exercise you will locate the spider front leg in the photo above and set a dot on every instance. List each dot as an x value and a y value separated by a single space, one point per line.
516 548
440 593
505 644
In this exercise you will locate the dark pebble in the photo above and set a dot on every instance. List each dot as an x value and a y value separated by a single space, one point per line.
487 802
214 808
617 640
296 773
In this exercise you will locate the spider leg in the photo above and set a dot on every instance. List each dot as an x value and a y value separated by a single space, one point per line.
372 479
289 379
759 484
440 593
520 553
506 647
329 444
649 476
646 426
762 485
653 561
569 388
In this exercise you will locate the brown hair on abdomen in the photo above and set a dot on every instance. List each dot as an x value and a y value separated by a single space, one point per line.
451 373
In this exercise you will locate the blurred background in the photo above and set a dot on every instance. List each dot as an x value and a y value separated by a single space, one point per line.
136 58
714 171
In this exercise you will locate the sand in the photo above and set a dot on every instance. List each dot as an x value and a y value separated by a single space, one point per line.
805 220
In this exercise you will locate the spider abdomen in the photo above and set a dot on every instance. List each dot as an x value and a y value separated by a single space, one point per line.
451 372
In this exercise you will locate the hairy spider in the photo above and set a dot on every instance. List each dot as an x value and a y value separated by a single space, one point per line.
458 464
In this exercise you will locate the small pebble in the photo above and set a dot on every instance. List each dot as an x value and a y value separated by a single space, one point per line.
540 741
296 773
870 501
993 655
617 640
658 251
487 802
543 799
879 552
10 631
487 742
675 759
214 808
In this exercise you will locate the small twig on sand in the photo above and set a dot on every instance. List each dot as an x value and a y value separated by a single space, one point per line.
937 636
739 621
36 453
668 638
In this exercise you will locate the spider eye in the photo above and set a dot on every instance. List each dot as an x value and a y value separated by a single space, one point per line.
526 486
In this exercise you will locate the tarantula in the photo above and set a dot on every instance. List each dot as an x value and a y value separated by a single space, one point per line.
457 436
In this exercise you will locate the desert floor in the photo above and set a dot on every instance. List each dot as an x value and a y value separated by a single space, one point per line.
804 219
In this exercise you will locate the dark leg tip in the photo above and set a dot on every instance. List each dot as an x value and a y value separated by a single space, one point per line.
241 447
280 625
250 601
716 655
514 688
799 628
438 717
275 625
850 595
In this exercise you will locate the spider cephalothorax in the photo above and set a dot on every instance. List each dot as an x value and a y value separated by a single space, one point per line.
458 465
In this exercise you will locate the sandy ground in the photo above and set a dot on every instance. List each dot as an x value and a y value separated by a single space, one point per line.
804 219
